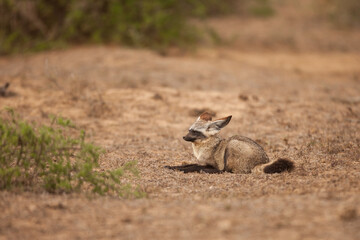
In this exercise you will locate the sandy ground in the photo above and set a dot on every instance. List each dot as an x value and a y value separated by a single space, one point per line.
137 105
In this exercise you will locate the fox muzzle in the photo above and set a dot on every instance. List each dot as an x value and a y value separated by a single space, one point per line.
188 138
193 136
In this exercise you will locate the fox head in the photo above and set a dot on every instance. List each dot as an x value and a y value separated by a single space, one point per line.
204 128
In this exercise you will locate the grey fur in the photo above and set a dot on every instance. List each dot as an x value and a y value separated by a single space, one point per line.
242 154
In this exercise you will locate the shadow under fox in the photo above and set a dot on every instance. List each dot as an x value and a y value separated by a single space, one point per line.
236 154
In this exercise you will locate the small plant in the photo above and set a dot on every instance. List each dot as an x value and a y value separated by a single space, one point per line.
46 157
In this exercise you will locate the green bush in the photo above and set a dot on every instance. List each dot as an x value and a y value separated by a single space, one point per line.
47 157
42 24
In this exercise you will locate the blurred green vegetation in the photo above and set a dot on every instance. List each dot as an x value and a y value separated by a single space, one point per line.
261 8
344 13
42 24
35 25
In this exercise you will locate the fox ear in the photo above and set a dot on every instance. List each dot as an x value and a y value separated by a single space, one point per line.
219 123
205 116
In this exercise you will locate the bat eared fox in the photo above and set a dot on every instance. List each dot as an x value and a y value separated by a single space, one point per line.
236 154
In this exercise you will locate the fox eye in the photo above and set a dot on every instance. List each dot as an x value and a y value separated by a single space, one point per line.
194 131
197 134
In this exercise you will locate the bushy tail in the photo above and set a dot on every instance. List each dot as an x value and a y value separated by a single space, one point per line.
279 166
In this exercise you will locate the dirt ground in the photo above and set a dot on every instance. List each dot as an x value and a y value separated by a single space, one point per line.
303 105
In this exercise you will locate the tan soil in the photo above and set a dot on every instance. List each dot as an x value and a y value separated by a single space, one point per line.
137 105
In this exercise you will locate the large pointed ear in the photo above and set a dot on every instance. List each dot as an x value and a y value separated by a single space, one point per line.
219 123
205 116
